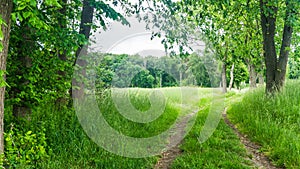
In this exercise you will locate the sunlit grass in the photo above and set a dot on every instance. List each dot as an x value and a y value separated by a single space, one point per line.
72 148
273 122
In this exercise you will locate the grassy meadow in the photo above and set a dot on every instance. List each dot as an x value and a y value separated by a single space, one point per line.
53 137
68 146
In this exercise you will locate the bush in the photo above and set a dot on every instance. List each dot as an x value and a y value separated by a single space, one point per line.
24 148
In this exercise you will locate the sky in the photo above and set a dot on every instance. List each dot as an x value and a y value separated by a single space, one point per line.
133 39
122 39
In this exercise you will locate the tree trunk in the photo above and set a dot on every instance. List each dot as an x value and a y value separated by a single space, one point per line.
268 20
62 100
275 69
231 76
252 75
63 25
260 74
224 80
160 79
260 78
285 45
85 29
5 13
180 78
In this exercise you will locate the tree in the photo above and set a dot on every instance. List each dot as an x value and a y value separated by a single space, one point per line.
100 10
31 51
47 43
275 16
276 65
5 23
85 30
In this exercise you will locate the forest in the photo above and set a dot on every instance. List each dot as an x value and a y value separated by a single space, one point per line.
230 103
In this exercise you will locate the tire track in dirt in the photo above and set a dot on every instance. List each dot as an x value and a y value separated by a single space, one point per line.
173 151
259 159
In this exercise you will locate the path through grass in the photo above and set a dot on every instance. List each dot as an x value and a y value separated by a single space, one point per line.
72 148
272 122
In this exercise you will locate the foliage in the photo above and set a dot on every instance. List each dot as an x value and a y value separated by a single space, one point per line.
294 65
143 79
240 73
25 148
44 39
2 23
151 72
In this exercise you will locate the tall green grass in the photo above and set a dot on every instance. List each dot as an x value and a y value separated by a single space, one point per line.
273 122
69 147
222 150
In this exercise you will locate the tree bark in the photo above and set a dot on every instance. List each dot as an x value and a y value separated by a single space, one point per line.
160 79
275 68
63 25
268 21
231 76
284 50
260 78
224 67
224 80
260 74
252 75
85 29
5 13
180 78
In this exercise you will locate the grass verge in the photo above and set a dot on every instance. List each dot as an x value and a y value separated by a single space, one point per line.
272 122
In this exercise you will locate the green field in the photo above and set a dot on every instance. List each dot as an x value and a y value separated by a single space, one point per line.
54 137
68 146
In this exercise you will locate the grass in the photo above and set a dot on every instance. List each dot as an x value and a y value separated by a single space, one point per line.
272 122
222 150
70 147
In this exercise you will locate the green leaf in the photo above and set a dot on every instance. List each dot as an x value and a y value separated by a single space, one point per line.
26 14
20 8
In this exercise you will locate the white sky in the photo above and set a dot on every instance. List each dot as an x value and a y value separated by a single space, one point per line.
120 39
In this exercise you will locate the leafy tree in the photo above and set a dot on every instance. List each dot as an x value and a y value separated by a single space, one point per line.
199 70
143 79
45 36
224 23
